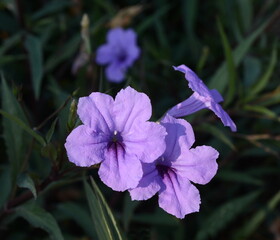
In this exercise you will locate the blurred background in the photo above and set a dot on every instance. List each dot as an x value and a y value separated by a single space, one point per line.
47 63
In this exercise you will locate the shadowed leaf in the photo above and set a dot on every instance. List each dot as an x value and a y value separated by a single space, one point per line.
40 218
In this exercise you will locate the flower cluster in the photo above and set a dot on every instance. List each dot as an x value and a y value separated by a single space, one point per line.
145 157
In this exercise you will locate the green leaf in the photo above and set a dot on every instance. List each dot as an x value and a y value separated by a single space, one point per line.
25 181
260 109
11 58
49 151
159 218
217 133
51 7
150 20
232 76
12 133
63 53
129 207
97 215
40 218
102 217
5 180
252 70
108 210
252 224
51 131
262 82
246 12
35 53
26 128
60 97
79 214
10 42
202 60
223 215
218 80
241 177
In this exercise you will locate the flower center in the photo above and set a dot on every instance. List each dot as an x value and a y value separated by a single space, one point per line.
164 169
122 57
116 141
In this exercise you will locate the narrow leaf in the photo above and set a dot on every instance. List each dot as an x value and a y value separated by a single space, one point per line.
40 218
79 214
223 215
216 132
25 181
62 53
104 203
10 42
232 76
6 185
102 216
260 109
51 131
261 84
97 215
35 53
51 7
12 133
221 74
129 207
26 128
252 224
241 177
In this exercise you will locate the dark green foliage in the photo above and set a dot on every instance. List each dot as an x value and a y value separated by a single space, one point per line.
234 48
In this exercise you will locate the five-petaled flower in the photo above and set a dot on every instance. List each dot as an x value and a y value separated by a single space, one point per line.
202 98
172 173
119 53
117 134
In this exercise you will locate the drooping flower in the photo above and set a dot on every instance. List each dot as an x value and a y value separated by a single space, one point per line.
117 134
202 98
171 174
119 53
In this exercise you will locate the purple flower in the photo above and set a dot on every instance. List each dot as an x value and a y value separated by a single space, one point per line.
116 134
172 173
202 98
119 53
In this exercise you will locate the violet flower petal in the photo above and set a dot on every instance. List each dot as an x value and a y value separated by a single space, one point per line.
95 111
115 72
146 140
216 96
120 171
187 107
105 54
85 147
197 164
195 83
131 108
149 184
180 197
180 135
220 113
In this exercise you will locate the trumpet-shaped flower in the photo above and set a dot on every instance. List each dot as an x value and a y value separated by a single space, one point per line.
171 174
117 134
200 99
119 53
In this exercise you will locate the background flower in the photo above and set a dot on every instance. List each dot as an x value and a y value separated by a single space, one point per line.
119 53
